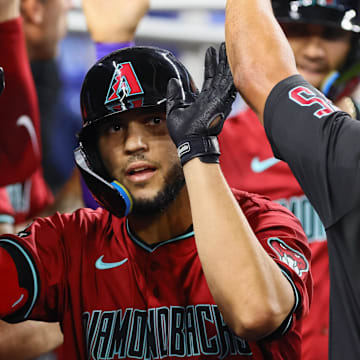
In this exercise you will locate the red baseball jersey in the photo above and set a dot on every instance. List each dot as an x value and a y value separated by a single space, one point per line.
24 193
20 149
248 163
117 297
21 202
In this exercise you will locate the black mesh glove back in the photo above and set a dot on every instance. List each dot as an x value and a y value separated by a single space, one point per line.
194 128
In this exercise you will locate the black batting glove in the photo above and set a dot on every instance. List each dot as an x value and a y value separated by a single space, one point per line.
194 128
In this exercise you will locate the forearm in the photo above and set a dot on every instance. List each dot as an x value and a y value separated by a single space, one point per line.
258 51
28 340
114 21
9 9
247 285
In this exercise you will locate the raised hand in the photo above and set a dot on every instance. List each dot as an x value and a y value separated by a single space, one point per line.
194 128
9 9
113 20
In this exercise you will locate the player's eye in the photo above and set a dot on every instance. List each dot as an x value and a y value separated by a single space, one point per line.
115 127
155 120
112 127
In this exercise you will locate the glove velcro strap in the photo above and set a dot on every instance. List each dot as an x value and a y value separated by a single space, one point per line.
206 148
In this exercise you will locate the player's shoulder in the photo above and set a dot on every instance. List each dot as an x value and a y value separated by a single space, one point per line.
83 219
258 207
99 216
91 214
251 201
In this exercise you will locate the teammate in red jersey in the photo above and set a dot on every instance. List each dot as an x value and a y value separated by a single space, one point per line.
326 56
20 149
150 285
44 25
26 195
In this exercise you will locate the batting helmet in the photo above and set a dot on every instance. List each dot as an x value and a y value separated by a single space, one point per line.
124 80
341 14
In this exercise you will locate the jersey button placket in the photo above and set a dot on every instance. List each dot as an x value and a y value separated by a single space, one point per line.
154 268
156 292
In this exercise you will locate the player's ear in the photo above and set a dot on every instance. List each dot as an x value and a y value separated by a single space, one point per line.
33 11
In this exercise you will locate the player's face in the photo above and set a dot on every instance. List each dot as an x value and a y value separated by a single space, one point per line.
137 151
318 49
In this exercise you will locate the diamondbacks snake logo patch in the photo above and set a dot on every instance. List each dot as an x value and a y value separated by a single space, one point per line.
289 256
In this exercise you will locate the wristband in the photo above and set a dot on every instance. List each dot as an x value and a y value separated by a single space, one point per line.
206 148
103 49
7 219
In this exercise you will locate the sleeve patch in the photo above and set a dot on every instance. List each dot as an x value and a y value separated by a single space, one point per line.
289 256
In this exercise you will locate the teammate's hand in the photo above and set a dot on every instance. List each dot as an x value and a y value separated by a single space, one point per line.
113 21
194 128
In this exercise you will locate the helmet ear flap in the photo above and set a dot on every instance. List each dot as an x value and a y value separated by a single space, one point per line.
113 196
108 193
88 139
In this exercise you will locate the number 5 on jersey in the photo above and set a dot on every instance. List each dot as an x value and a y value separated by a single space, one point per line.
306 97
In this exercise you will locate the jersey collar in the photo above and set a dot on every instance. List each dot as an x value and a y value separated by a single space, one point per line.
151 248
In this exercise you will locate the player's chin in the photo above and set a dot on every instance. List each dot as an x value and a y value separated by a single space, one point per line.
147 206
314 78
143 194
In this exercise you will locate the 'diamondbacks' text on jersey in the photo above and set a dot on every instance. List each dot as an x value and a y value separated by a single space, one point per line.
117 298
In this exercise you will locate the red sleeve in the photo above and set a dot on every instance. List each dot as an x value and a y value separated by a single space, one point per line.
39 249
283 238
16 296
20 151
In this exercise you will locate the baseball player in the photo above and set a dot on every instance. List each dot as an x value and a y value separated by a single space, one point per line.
24 192
20 153
326 55
193 269
43 25
319 142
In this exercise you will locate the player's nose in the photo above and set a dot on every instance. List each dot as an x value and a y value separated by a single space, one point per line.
135 138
